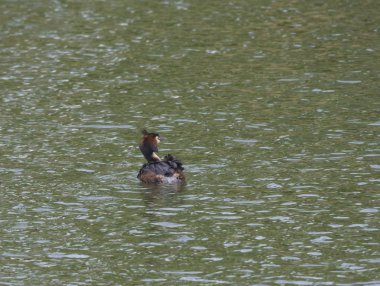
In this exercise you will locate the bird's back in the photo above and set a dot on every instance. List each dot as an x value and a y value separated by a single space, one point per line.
167 171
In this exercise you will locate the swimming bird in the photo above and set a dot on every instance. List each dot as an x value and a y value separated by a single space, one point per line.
157 171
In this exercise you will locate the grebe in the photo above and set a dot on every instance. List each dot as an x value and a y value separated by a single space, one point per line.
157 171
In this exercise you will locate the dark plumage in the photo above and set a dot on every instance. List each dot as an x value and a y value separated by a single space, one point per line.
156 171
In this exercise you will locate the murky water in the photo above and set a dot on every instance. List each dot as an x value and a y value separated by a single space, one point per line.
272 105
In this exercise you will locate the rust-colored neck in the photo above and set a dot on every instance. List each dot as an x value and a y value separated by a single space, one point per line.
148 146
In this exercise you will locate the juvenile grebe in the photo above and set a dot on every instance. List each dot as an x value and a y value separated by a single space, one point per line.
157 171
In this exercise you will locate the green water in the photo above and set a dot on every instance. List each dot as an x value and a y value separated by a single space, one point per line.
273 106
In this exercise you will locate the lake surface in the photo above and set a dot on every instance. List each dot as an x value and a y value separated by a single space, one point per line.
273 106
